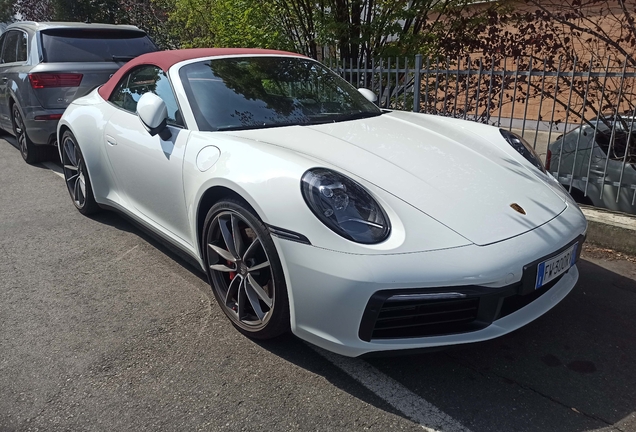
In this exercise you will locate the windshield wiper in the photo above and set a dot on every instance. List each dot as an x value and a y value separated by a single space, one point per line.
338 117
263 126
358 116
311 122
124 58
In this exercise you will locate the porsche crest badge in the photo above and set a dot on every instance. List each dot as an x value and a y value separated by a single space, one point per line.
516 207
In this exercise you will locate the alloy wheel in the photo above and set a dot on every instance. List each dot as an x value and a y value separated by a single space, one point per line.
241 270
20 134
74 171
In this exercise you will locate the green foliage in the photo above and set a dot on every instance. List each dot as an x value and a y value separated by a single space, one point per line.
372 28
224 23
350 29
151 17
353 28
246 23
34 10
6 11
145 14
107 11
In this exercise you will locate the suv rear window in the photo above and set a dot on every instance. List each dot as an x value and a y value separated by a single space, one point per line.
88 45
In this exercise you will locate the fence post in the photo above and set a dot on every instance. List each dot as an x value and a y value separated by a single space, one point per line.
417 82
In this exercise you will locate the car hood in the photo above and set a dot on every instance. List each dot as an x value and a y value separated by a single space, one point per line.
462 174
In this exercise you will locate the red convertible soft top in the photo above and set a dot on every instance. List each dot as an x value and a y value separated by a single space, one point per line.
166 59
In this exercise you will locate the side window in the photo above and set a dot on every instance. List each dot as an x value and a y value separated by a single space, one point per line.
10 47
163 89
2 39
142 80
22 47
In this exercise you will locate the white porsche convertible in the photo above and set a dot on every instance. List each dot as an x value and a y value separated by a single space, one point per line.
312 210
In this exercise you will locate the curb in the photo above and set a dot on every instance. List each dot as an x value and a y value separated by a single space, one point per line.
611 230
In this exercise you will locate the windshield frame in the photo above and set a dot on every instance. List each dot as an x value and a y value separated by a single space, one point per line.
204 125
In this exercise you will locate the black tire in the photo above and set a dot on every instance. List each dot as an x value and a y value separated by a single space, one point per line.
579 196
76 176
246 277
30 152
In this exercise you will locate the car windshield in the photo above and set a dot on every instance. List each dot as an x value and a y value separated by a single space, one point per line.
616 145
623 122
258 92
99 45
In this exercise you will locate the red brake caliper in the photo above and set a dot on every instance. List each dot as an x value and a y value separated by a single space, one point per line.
232 274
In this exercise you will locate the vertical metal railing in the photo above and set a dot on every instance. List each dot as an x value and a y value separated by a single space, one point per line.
417 83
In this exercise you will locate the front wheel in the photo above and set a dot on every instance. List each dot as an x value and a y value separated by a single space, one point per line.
76 176
245 272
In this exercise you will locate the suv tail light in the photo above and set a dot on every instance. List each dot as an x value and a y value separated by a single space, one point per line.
49 117
46 80
548 158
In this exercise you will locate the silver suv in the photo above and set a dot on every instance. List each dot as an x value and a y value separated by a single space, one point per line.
44 66
599 161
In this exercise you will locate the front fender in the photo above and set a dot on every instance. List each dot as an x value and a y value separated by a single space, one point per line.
87 123
268 178
265 177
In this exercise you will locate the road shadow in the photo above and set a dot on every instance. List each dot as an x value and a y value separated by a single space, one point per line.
287 346
569 371
122 222
50 154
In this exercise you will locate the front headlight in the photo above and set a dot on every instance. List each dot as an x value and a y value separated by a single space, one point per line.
523 148
344 206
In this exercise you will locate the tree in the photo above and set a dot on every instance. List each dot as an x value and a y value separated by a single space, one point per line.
358 29
34 10
145 14
226 23
352 29
68 10
106 11
565 28
150 16
571 35
7 11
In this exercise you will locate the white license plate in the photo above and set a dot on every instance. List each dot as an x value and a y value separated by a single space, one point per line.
552 268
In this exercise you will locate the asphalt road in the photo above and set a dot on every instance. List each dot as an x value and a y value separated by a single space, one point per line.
102 328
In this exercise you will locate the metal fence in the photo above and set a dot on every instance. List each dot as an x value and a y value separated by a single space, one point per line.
577 114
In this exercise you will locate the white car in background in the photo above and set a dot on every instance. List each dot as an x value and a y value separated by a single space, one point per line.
312 210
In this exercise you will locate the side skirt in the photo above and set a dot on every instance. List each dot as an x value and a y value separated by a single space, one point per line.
164 241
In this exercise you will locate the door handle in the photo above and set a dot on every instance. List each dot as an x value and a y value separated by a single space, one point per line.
110 140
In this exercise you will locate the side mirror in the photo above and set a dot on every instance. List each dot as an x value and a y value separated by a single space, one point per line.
371 97
153 114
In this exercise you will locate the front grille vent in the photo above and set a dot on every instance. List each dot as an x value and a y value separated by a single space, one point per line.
416 318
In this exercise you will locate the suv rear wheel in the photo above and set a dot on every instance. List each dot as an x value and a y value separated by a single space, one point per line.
29 151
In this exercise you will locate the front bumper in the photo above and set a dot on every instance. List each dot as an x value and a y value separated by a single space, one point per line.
330 291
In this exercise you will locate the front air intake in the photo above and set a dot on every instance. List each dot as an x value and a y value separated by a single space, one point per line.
403 319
